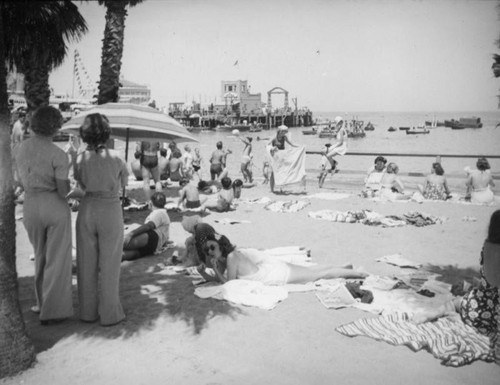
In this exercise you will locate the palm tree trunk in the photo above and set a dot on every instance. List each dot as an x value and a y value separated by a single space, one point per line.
36 85
16 350
112 51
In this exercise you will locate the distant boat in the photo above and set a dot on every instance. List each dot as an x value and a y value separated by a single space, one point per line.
312 131
471 122
239 127
417 130
356 134
255 129
403 128
434 123
454 124
327 133
369 127
392 129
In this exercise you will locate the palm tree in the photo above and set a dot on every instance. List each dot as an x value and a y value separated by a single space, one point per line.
36 38
32 38
16 350
112 48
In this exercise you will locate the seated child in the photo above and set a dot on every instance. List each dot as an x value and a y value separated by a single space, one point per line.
224 198
189 195
152 235
237 185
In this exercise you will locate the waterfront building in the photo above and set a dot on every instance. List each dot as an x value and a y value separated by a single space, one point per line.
134 93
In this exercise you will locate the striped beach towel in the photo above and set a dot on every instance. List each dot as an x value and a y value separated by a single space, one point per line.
447 339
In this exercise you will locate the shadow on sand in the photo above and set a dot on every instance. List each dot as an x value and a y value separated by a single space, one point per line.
147 294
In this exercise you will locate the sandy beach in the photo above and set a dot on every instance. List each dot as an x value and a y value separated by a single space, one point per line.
172 336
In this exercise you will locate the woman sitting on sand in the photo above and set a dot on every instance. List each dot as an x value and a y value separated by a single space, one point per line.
435 187
480 307
479 182
374 176
230 262
391 187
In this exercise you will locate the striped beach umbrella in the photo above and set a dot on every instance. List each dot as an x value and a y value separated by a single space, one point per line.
134 122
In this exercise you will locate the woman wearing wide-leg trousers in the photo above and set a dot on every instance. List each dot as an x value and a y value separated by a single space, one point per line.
99 226
43 169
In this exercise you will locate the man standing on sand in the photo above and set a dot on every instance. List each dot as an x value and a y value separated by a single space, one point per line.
218 161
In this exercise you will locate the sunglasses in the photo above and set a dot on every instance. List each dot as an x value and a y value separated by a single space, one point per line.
210 248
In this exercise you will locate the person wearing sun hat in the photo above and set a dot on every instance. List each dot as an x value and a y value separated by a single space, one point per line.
340 146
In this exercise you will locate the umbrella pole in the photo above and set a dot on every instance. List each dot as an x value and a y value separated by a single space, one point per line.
126 161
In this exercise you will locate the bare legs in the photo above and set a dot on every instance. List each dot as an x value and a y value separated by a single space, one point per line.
131 250
304 274
449 307
155 173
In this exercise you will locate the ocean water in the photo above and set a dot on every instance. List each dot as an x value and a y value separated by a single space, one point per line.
440 141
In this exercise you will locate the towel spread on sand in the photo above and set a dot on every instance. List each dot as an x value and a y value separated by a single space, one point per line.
289 166
263 200
286 206
252 293
228 221
329 196
370 218
244 292
398 260
447 339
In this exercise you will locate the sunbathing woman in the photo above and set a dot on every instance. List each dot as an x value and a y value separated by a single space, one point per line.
435 187
480 307
479 183
391 187
230 262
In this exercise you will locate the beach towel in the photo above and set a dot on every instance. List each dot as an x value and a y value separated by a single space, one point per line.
263 200
447 339
397 260
370 218
329 196
244 292
286 206
289 166
228 221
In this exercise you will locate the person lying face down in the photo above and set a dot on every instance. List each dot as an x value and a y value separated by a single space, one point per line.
230 262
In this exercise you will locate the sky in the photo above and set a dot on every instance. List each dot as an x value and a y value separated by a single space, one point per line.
352 55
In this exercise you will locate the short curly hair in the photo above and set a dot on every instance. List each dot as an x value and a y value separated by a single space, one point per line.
95 129
438 169
482 164
46 121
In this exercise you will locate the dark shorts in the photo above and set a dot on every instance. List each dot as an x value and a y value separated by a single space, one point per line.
150 247
193 204
149 161
215 170
196 168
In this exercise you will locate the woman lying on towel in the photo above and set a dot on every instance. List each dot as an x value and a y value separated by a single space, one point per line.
230 262
480 307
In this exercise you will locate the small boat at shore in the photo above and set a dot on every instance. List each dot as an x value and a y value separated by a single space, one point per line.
327 133
417 130
311 131
464 123
239 127
369 127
